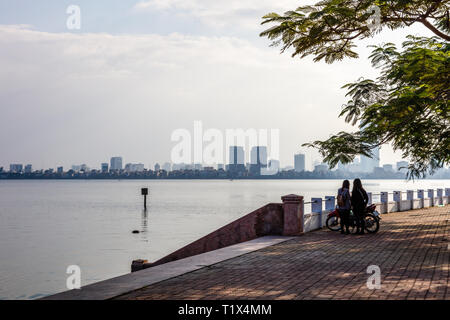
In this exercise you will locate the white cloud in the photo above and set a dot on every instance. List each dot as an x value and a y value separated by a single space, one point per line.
220 13
81 98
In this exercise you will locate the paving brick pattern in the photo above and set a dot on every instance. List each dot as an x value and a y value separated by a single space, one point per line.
411 248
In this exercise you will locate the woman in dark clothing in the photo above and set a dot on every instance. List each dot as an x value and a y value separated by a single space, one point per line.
344 205
359 202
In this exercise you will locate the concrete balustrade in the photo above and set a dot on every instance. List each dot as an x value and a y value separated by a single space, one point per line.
421 197
439 196
330 203
315 219
383 207
447 196
288 219
410 195
431 197
369 195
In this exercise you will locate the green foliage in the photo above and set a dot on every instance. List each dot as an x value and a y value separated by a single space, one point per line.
408 104
327 29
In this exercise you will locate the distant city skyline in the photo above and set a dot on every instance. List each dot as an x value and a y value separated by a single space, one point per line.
258 156
203 61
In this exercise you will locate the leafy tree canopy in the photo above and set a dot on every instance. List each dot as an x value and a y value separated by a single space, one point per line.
407 105
328 28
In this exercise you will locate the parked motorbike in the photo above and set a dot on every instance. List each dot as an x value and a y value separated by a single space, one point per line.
372 220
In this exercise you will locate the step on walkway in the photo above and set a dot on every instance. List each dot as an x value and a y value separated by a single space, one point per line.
412 250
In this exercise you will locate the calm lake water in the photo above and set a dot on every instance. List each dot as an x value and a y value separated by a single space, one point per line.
45 226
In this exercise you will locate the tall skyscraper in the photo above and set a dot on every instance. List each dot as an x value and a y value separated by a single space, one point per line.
299 162
402 166
28 168
157 167
60 170
368 164
236 155
116 163
258 159
167 166
15 168
104 167
236 164
258 155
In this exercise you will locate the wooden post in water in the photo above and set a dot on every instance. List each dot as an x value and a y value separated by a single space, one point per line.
144 192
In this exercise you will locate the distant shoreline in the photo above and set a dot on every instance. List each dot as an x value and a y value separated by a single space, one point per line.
217 178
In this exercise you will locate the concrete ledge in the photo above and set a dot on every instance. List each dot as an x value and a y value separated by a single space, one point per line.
417 204
114 287
405 205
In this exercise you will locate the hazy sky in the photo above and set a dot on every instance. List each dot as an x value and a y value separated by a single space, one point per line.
138 70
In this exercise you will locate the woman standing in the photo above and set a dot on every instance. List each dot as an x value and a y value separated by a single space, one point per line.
344 205
359 203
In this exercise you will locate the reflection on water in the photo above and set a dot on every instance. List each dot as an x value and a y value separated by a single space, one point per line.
144 220
45 226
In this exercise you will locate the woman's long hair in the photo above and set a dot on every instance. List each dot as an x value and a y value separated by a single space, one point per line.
346 184
357 185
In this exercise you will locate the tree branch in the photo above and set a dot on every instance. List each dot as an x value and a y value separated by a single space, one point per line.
435 30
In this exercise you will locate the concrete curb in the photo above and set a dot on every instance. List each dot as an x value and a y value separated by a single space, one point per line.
117 286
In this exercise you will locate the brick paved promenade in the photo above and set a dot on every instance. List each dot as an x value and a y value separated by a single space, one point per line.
412 250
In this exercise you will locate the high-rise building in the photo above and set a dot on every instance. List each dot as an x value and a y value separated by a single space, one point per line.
60 170
167 166
157 167
236 155
178 166
299 162
28 168
402 166
258 159
134 167
15 168
388 167
258 155
321 168
368 164
272 168
236 164
116 163
104 167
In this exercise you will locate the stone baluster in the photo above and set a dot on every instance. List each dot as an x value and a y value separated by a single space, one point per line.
316 207
330 203
431 196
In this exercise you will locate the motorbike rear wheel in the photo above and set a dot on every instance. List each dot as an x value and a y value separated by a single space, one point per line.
372 224
334 223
